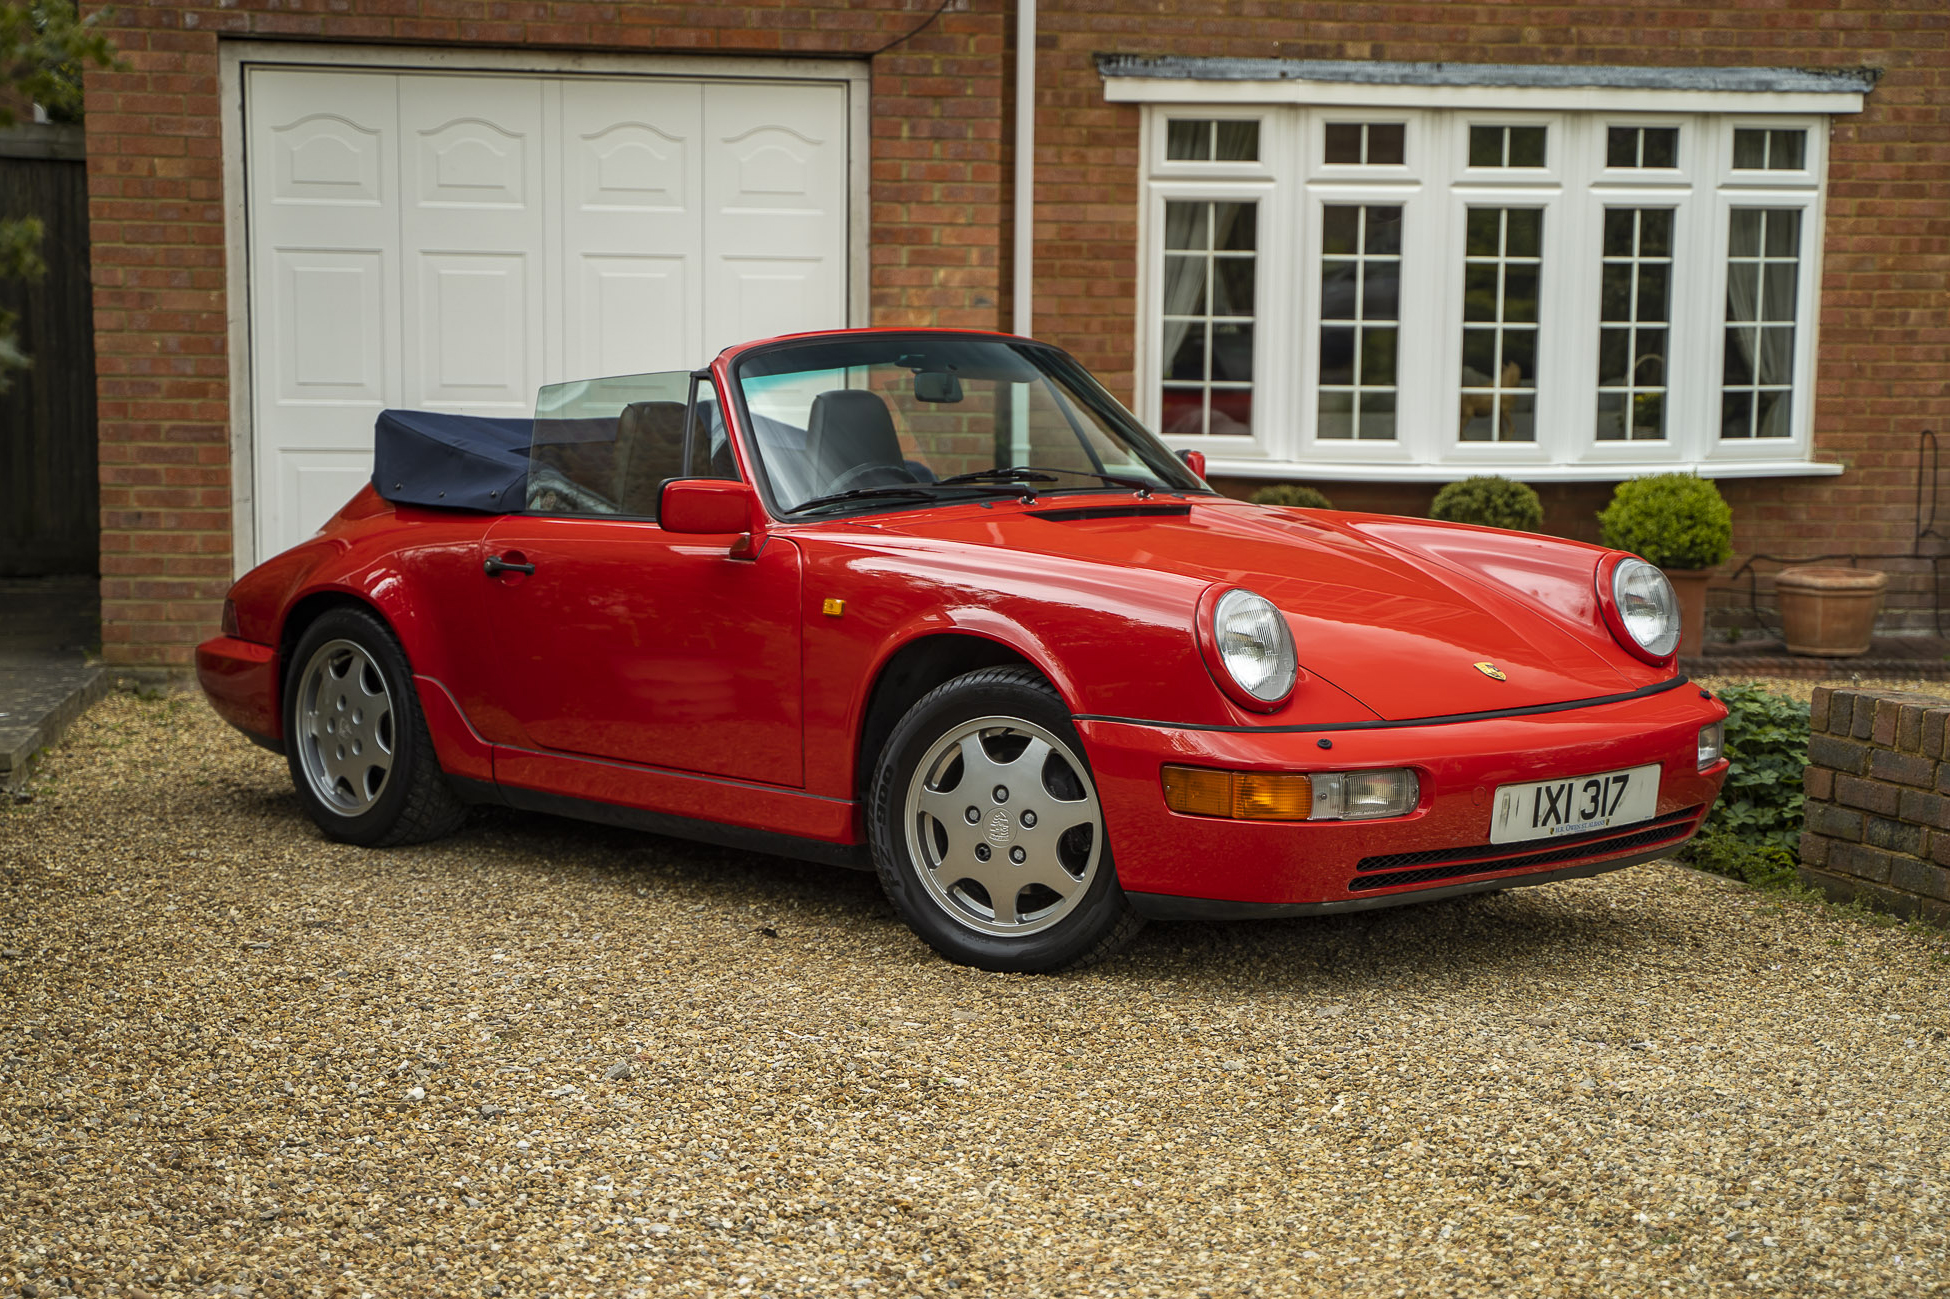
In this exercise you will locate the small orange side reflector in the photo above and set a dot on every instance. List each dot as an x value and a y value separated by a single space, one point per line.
1239 795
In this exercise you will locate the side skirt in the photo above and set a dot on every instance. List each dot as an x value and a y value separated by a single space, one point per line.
1165 906
851 856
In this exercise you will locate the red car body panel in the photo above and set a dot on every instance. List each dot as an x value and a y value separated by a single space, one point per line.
640 669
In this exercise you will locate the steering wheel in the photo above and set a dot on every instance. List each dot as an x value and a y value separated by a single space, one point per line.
859 476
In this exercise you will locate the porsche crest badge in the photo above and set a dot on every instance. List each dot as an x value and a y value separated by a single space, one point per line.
1492 671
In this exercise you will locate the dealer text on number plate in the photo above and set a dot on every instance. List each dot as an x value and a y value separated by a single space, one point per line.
1545 809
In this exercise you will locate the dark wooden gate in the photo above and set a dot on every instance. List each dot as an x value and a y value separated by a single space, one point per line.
49 519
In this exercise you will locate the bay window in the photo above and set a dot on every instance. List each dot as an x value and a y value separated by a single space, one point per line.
1384 279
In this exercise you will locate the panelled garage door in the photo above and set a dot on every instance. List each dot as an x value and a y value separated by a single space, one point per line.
454 241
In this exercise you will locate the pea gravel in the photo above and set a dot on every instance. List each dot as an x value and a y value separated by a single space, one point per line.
544 1058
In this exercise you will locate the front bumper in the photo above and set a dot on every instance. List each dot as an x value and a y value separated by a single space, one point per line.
1193 865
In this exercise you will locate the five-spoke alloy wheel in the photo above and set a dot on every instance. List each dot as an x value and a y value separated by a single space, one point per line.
358 748
987 830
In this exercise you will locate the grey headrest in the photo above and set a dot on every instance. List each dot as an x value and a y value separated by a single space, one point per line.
851 426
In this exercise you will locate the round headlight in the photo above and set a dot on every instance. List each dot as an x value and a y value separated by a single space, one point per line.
1647 606
1255 645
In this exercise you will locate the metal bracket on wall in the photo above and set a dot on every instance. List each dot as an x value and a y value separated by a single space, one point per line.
1929 471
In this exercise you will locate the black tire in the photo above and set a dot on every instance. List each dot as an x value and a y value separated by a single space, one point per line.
928 864
356 741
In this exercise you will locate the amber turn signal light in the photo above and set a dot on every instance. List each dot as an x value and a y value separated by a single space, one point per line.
1239 795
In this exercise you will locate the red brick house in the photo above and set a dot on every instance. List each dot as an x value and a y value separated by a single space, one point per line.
1373 247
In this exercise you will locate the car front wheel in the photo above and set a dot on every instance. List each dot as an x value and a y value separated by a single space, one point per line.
357 744
988 833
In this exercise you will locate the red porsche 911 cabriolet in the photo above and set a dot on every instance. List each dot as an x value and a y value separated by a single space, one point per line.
932 602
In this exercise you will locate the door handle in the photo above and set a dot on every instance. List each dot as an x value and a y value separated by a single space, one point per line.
494 566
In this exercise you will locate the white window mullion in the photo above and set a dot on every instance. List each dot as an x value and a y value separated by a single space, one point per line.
1427 255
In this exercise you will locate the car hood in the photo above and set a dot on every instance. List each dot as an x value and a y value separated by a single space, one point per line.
1399 613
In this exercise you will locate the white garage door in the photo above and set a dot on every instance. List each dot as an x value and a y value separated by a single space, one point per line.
452 242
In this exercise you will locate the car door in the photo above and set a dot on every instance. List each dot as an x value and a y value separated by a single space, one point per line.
613 639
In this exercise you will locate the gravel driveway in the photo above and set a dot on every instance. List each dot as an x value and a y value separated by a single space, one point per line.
547 1058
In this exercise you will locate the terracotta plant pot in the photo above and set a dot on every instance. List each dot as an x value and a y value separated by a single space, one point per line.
1689 584
1829 612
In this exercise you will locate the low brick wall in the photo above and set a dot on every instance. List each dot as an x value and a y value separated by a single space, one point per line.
1878 807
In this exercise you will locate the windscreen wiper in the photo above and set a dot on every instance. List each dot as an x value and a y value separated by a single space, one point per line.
1016 474
1047 474
895 491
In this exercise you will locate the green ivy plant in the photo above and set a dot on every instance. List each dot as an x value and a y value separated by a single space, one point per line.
1676 521
1767 750
1490 501
1305 497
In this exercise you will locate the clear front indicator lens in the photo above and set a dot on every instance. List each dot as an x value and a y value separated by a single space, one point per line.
1255 644
1712 744
1365 795
1290 796
1647 605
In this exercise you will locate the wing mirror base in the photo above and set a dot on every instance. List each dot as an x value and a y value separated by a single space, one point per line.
713 507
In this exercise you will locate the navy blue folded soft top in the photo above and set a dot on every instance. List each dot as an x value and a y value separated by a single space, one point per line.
457 462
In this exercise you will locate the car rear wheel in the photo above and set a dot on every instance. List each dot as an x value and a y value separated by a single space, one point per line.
988 833
360 756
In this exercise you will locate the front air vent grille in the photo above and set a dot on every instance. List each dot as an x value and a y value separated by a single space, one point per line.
1061 515
1386 873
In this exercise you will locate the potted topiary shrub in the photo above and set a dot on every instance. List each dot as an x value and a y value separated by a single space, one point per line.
1490 501
1680 524
1294 494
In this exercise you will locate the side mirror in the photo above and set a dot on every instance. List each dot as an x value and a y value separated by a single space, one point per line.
705 505
1194 461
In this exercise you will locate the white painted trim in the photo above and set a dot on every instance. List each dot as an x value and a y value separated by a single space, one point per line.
236 56
1024 270
1530 473
1568 99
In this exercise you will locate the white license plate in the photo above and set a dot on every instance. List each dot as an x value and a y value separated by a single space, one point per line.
1545 809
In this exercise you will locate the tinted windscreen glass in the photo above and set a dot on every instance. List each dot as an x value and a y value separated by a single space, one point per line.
912 412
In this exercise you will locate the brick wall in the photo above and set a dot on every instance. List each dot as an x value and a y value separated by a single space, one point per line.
1878 800
156 211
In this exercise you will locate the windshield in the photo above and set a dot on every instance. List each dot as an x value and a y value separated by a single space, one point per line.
879 420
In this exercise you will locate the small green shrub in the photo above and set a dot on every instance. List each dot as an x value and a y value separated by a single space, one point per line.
1730 855
1670 521
1490 501
1292 494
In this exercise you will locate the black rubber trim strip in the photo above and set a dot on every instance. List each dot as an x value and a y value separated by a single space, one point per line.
1452 719
1165 906
261 741
1108 512
1520 847
1661 835
852 856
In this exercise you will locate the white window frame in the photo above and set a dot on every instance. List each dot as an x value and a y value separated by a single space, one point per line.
1434 186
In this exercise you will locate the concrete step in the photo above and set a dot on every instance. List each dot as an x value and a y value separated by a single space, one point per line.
40 696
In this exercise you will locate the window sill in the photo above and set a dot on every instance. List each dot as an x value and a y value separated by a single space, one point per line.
1320 471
